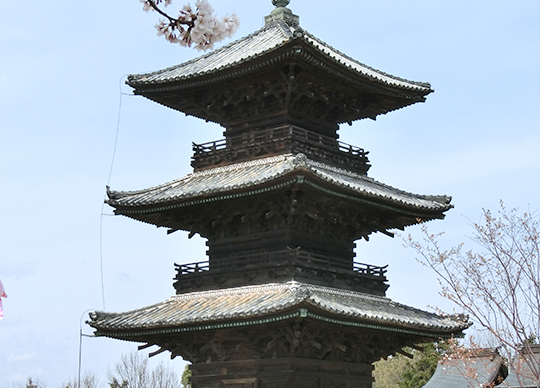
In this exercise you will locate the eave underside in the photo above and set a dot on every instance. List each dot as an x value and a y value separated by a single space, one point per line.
299 333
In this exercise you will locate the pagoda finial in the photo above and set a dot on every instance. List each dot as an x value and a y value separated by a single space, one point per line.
282 13
280 3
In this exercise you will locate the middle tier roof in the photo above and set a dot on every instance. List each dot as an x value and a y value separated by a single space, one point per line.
245 179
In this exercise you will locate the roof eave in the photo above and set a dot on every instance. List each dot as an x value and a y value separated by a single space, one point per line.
290 179
302 312
294 50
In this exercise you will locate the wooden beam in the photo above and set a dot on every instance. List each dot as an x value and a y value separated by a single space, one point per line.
409 355
160 350
172 230
389 234
141 347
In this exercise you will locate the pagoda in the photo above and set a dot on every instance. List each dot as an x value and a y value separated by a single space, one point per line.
280 302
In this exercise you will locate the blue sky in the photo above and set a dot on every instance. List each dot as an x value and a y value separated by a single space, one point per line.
62 68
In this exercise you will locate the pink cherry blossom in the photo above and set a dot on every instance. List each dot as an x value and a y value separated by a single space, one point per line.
199 27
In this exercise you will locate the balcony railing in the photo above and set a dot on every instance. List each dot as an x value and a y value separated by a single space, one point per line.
278 140
278 259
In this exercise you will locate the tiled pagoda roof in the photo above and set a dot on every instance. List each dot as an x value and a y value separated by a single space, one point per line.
484 368
257 176
346 89
525 370
253 305
248 49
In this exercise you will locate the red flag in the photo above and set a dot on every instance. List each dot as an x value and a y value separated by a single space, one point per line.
2 295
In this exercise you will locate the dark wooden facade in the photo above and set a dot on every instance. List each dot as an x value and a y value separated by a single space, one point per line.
280 302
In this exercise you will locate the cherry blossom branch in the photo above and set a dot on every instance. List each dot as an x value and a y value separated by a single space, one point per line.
199 26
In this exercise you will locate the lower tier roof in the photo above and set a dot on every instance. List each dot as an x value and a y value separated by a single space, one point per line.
255 305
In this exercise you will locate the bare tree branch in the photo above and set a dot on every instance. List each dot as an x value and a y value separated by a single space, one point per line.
497 281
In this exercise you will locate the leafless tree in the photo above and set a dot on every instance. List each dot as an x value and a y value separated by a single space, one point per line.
164 377
89 380
133 372
496 281
130 372
32 383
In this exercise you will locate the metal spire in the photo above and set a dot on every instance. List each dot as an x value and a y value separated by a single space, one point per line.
282 13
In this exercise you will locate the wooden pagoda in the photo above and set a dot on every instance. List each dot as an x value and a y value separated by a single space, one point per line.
281 301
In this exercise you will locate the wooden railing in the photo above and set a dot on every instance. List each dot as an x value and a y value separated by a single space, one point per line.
281 139
212 146
278 259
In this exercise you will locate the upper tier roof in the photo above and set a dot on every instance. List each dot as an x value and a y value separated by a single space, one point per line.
247 49
280 73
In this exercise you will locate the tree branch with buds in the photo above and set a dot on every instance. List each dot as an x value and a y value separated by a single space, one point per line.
497 281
